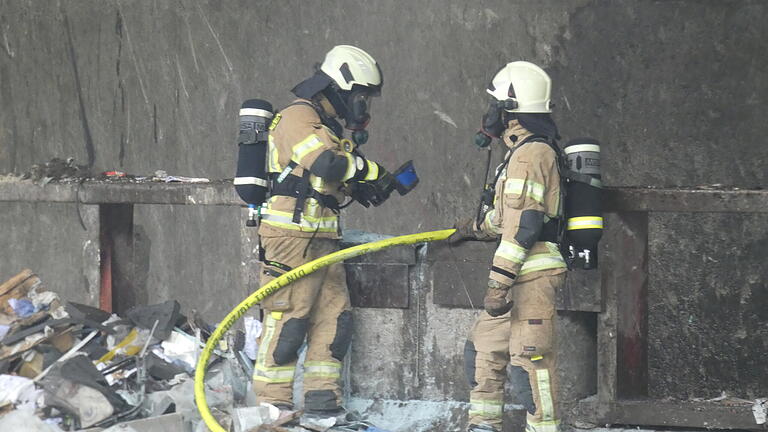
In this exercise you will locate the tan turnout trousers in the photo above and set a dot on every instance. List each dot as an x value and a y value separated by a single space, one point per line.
315 308
523 337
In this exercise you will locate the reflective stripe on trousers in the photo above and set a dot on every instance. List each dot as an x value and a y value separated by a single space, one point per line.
320 369
284 220
488 409
545 394
542 426
277 374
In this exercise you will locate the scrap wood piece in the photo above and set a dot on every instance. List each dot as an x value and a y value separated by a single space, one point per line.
31 341
269 428
15 288
12 338
11 283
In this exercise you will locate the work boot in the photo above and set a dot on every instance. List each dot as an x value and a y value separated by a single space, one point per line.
481 428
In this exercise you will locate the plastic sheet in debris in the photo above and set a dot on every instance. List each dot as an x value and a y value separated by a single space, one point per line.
247 418
22 307
19 391
22 420
760 410
181 347
253 329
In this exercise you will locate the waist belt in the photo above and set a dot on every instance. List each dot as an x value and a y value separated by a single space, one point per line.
550 231
300 188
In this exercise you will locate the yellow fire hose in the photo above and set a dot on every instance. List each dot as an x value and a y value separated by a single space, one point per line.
280 282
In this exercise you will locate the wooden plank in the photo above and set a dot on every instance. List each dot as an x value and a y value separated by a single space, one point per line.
656 413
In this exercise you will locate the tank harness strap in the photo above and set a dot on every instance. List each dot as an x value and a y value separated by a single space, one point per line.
581 178
549 232
300 188
287 184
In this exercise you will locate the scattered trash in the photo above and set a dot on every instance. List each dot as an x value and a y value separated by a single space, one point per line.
56 170
247 418
22 420
760 410
22 308
162 176
252 332
74 366
113 174
70 366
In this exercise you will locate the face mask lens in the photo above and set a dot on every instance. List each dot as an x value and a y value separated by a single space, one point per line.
361 103
360 108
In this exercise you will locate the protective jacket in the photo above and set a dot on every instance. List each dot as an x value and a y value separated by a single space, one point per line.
526 204
527 207
301 145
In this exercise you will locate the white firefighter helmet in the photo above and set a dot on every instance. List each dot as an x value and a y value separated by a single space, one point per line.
524 85
347 65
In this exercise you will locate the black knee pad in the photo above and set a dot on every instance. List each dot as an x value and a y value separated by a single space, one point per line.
343 338
289 342
521 388
320 400
470 354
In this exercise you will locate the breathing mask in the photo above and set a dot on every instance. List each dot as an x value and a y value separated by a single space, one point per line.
358 115
495 121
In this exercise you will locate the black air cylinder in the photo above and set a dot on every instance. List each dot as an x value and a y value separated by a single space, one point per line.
251 178
583 201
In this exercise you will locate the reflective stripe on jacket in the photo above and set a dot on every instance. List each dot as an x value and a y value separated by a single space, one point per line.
299 136
527 196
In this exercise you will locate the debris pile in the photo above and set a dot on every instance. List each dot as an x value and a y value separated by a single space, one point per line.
69 366
66 366
67 171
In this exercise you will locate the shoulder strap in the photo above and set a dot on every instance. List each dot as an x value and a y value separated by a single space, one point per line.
325 119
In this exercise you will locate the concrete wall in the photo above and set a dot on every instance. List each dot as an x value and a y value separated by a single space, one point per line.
674 89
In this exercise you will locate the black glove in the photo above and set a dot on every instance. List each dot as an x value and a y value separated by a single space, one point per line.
373 191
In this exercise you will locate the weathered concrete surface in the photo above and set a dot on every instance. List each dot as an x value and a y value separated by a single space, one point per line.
708 324
187 260
674 92
49 240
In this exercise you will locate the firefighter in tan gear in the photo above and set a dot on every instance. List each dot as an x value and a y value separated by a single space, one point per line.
312 169
517 325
